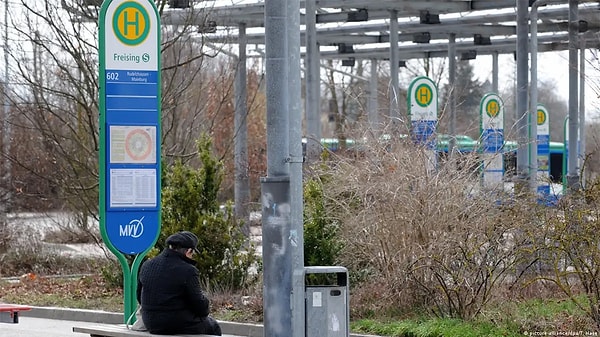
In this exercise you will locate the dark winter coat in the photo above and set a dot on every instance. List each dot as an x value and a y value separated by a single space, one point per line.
171 298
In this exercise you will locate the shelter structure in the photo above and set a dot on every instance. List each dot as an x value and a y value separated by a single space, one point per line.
380 31
395 31
351 30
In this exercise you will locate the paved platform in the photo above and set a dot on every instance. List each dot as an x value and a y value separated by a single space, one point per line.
59 322
39 327
46 327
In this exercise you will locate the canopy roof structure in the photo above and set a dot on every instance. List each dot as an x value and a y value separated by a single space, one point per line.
396 31
362 28
399 30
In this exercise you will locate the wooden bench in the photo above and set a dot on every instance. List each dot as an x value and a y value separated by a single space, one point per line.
121 330
9 313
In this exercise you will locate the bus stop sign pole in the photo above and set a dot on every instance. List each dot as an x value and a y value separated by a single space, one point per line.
129 77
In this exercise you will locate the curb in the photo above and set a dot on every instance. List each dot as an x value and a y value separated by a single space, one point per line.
106 317
78 315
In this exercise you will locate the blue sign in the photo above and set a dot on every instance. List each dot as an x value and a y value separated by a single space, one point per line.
423 133
130 125
133 231
493 140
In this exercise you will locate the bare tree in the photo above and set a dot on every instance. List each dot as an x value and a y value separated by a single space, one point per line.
55 109
54 57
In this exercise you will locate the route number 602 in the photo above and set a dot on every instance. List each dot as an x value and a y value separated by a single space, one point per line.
110 76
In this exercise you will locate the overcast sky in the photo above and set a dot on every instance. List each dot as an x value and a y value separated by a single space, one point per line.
552 66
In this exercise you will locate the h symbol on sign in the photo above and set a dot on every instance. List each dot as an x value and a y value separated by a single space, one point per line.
134 23
424 95
494 108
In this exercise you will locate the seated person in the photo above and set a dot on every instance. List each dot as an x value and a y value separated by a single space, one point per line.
169 291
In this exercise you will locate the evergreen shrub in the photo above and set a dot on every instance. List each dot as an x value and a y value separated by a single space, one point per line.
189 202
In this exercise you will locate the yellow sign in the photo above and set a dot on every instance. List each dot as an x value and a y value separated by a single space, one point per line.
423 95
131 23
492 108
541 117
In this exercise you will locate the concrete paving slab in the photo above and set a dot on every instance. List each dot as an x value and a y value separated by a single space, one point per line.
39 327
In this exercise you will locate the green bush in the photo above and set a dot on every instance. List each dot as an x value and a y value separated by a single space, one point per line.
322 244
189 202
321 241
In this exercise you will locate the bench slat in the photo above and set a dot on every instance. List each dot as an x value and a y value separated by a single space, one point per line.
121 330
9 313
13 307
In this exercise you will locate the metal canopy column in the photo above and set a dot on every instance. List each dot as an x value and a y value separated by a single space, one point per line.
452 97
582 122
495 72
240 136
373 105
572 173
533 95
277 80
313 83
275 194
394 62
6 167
521 111
296 234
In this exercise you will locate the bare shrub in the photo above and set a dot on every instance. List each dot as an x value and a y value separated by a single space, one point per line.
32 259
374 299
73 228
528 289
431 234
238 306
568 247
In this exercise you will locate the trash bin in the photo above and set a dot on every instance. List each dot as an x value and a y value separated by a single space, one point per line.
327 305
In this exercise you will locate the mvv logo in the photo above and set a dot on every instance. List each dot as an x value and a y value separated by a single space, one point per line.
134 229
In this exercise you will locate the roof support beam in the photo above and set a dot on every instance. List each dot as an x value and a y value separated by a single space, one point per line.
394 58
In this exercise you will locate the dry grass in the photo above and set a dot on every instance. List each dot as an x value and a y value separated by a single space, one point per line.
93 292
84 292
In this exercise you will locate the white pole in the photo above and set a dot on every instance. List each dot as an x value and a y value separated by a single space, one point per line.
6 129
